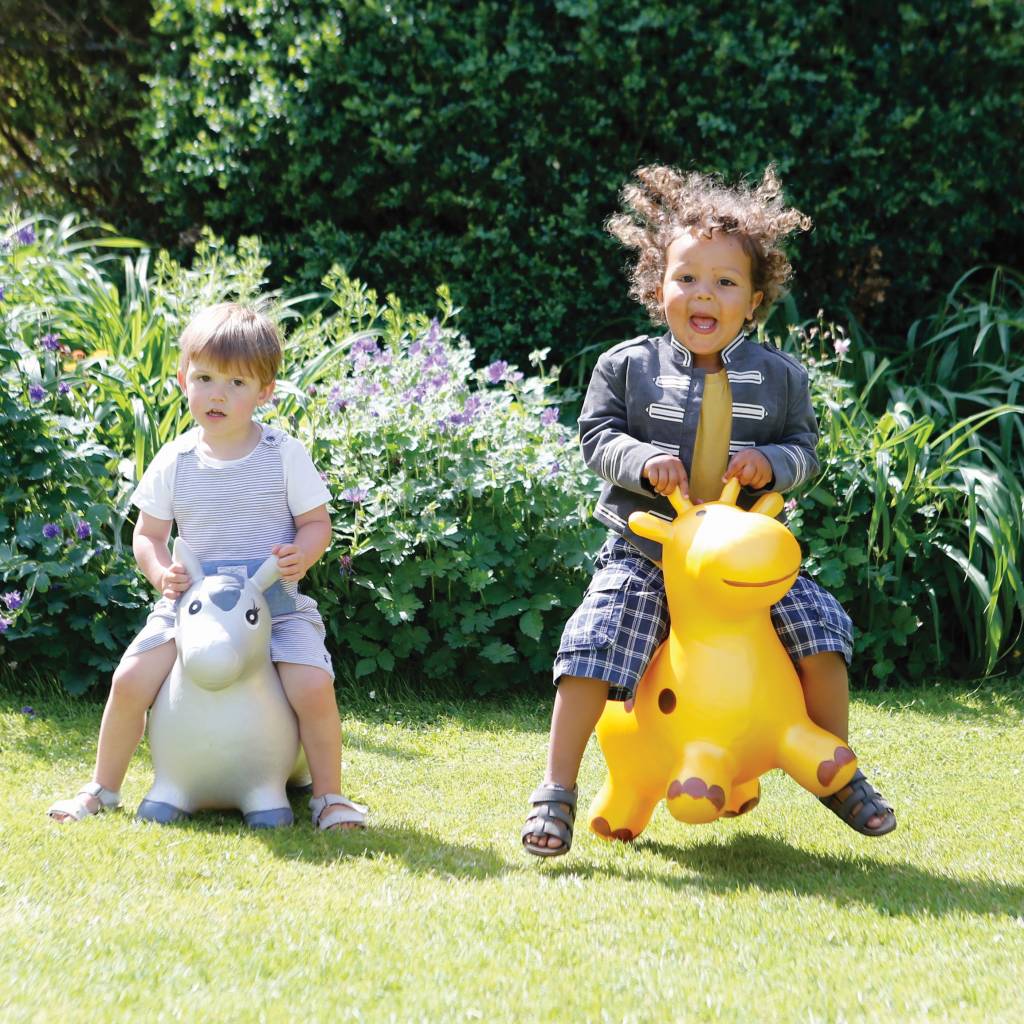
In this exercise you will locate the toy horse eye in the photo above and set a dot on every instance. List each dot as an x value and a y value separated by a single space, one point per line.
252 616
702 512
194 607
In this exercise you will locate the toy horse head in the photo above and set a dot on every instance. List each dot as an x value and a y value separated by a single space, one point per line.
222 622
735 560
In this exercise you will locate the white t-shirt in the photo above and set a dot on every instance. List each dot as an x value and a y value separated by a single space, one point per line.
305 488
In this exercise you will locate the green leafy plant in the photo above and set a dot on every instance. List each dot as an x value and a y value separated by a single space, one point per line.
916 521
462 533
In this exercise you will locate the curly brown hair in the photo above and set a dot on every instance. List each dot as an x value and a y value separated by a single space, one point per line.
663 202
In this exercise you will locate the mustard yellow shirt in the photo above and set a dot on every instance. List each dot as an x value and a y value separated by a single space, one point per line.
711 449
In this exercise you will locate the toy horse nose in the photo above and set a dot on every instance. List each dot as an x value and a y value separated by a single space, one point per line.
213 667
226 599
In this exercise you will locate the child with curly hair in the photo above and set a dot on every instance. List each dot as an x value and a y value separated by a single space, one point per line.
691 408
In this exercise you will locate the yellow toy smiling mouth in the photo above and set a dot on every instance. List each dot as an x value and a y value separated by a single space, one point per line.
769 583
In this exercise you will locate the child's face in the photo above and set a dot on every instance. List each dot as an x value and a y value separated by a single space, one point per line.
222 399
707 293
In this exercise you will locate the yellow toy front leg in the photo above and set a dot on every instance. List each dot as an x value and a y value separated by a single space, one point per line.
621 812
703 788
820 761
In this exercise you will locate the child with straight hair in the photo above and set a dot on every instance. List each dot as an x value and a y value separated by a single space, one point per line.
693 407
236 491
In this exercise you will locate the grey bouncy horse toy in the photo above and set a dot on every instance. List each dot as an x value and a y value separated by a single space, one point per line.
221 731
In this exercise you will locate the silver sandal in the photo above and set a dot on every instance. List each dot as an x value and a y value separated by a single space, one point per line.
77 808
334 809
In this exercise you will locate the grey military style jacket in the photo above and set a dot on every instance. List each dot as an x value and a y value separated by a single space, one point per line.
644 399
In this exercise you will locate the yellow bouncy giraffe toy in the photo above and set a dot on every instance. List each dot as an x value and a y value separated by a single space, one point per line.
720 702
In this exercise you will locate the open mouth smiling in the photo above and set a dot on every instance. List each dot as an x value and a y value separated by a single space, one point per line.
768 583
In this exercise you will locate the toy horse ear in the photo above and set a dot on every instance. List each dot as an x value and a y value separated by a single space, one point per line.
185 556
266 575
769 504
651 527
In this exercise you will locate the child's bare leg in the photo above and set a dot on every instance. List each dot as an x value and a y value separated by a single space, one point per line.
134 687
579 702
310 691
826 686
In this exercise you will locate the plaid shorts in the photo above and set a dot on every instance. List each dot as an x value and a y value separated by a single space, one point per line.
624 617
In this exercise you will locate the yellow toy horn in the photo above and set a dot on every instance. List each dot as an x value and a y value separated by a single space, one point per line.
679 503
730 492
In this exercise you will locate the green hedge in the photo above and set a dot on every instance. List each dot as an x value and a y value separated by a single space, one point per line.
483 144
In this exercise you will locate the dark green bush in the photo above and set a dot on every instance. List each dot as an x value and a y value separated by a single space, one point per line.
70 91
484 143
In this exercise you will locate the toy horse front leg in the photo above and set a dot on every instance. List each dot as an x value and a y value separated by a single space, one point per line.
820 761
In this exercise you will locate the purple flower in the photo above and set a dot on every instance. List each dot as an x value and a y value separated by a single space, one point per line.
414 348
357 495
549 416
496 371
51 342
51 530
336 401
554 469
311 391
345 566
790 505
364 346
63 388
434 334
5 624
83 529
369 387
439 381
514 377
1 293
382 358
436 360
28 712
842 346
26 236
36 392
12 599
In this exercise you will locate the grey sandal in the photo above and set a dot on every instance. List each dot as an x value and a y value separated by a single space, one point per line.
548 818
860 791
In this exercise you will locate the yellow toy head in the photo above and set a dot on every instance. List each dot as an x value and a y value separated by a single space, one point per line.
734 559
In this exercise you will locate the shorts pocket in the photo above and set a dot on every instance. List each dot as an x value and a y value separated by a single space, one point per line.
597 622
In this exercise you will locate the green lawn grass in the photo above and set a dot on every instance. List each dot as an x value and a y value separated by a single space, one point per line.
436 914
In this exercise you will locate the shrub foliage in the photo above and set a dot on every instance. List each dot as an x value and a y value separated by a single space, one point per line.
483 144
462 529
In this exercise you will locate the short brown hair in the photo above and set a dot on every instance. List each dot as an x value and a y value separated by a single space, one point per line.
663 202
232 335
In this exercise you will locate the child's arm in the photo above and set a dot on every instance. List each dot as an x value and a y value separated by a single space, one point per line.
608 449
153 557
312 537
793 459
